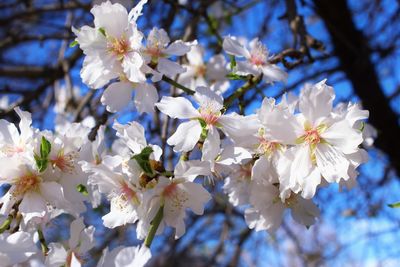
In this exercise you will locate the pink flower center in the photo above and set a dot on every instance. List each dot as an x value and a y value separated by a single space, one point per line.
257 60
154 52
258 54
128 193
312 137
64 162
209 117
176 197
170 190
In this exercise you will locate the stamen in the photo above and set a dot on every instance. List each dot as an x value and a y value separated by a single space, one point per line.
176 197
259 54
200 71
26 183
64 162
119 47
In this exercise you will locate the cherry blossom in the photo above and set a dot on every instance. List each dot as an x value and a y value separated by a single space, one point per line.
157 52
209 116
200 73
256 59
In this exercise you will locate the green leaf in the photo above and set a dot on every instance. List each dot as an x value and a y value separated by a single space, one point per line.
42 159
82 189
233 62
143 159
45 148
103 31
73 43
234 76
41 163
394 205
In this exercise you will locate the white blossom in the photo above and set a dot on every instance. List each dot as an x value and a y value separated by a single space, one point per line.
256 59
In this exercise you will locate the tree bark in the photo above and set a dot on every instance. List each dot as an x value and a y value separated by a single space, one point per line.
352 49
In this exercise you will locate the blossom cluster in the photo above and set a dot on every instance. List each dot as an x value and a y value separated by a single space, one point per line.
269 162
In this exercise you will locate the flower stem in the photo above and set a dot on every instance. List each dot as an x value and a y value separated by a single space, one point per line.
154 226
43 245
6 224
242 90
178 85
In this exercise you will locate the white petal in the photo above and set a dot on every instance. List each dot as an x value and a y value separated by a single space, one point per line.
112 17
169 68
301 166
157 38
90 40
356 114
316 101
343 136
211 146
305 212
177 48
195 56
133 135
94 73
76 228
132 64
199 196
331 163
132 257
177 108
273 73
53 193
191 169
245 68
57 255
238 127
117 96
207 98
145 97
310 183
234 47
32 205
264 171
74 261
186 136
136 12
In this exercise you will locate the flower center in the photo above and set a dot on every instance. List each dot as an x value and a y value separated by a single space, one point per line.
210 113
10 150
169 190
128 193
64 162
209 118
200 71
312 137
267 147
176 197
119 47
154 52
26 183
257 60
258 55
